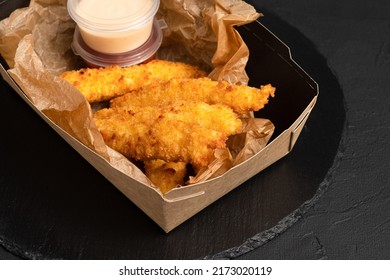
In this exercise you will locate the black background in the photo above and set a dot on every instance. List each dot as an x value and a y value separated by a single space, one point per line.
336 207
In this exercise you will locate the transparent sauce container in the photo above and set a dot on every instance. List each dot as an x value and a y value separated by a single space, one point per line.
142 54
114 26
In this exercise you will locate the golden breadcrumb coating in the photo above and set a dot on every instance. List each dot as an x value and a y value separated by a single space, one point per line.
238 97
216 117
102 84
166 175
186 132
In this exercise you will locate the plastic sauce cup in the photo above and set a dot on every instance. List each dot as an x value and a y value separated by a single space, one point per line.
114 26
142 54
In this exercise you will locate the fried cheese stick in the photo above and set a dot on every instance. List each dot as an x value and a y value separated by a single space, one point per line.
165 175
102 84
172 133
238 97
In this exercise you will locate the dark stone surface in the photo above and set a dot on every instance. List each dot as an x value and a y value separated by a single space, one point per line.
351 220
335 183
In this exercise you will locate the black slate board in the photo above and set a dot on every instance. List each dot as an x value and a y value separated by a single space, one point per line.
44 214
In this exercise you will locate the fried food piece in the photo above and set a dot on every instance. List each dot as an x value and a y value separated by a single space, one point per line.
172 133
166 175
216 117
238 97
105 83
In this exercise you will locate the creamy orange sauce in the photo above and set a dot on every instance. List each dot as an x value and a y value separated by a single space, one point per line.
116 26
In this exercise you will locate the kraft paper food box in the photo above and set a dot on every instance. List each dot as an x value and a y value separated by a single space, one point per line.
270 61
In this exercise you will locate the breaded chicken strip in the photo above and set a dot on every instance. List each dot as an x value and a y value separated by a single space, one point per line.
166 175
171 133
238 97
216 117
105 83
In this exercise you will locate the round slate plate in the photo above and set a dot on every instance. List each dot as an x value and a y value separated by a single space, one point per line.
54 205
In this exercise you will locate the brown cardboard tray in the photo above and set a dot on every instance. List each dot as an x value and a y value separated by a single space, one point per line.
270 62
